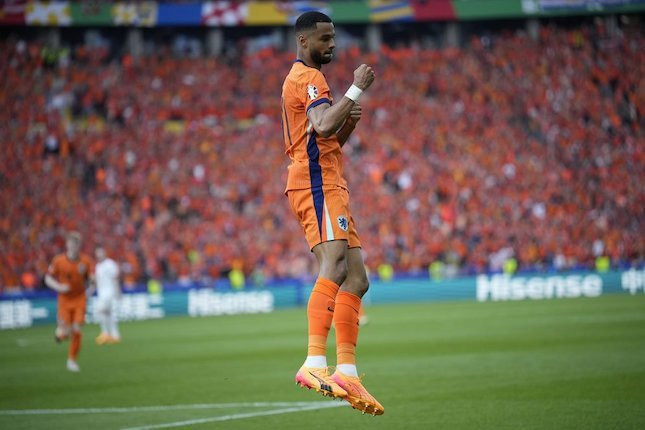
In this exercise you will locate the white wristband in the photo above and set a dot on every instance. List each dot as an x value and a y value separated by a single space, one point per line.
353 93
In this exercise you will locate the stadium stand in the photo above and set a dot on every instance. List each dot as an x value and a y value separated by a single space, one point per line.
507 147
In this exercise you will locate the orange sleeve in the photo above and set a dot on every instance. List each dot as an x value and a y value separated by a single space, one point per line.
316 91
54 267
91 266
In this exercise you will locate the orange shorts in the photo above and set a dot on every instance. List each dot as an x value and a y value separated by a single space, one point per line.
324 215
71 310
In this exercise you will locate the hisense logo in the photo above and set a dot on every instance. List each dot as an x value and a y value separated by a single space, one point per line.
207 302
633 280
505 287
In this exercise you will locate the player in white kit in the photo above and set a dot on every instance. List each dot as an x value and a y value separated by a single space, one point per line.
108 296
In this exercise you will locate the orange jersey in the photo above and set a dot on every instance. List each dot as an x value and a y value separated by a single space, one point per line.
315 160
73 273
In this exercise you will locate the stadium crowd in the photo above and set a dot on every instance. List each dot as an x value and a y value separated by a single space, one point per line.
508 147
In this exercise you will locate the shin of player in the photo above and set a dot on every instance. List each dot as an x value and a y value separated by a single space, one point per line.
68 275
108 296
315 128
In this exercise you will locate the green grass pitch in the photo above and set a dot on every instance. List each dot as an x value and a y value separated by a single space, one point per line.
561 364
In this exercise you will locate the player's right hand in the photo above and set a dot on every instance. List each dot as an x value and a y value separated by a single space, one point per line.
355 114
63 288
363 76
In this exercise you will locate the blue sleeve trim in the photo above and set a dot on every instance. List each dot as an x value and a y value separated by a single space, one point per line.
319 102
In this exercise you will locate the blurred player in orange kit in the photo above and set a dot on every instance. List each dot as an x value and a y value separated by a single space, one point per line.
315 127
68 275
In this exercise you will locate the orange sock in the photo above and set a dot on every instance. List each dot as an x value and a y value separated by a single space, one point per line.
346 323
320 312
75 345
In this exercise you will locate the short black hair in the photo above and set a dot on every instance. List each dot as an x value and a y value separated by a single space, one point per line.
308 20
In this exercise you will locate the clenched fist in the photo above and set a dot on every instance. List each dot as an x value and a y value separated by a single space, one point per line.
363 76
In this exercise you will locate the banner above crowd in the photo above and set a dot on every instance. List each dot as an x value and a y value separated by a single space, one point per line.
269 13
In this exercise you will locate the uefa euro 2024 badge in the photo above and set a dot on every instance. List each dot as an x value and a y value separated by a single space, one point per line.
312 91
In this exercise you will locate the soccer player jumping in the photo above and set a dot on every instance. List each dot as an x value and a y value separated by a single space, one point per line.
315 129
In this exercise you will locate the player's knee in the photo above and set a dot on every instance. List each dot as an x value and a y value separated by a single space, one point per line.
334 269
341 271
365 285
76 328
359 285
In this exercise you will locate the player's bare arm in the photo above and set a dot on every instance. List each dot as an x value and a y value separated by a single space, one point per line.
52 283
326 119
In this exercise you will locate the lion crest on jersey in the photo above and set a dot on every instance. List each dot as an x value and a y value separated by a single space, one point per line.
342 222
312 91
82 269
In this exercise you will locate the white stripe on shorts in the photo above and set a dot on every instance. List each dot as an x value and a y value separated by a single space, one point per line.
328 227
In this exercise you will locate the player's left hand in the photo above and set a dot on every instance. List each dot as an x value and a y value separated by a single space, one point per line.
355 114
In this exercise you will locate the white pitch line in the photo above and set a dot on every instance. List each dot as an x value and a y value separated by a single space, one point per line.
121 410
320 405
